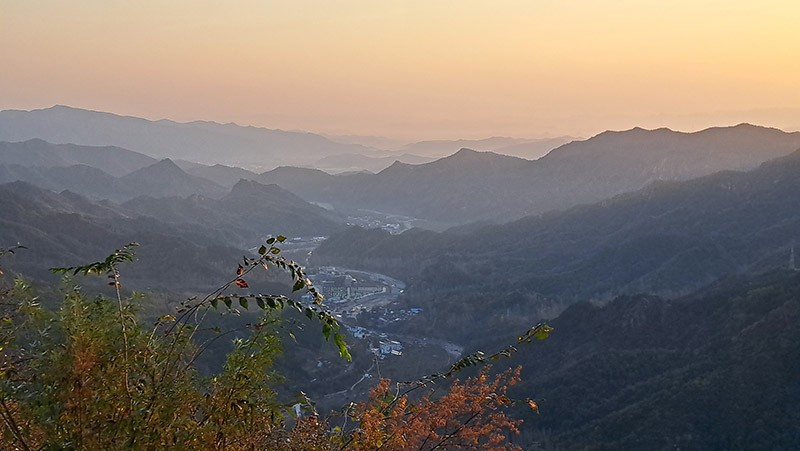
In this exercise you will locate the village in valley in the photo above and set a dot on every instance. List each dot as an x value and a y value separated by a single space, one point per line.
363 302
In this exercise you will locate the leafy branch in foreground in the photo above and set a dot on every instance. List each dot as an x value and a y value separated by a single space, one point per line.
268 255
468 415
91 376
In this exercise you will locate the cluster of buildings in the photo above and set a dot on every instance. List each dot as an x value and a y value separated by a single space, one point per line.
340 287
384 348
352 292
393 224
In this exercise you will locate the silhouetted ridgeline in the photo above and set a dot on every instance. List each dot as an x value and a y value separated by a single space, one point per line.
196 141
472 186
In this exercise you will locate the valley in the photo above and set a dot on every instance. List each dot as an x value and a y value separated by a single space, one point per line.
415 225
423 265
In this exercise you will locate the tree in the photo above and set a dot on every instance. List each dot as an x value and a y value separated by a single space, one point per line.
92 375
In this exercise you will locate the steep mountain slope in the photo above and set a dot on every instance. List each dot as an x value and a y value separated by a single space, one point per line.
165 179
472 186
243 217
226 176
443 147
35 152
668 239
358 162
459 186
85 180
66 229
161 179
206 142
310 184
718 369
535 149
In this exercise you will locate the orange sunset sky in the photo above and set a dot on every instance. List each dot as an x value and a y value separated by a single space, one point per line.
410 69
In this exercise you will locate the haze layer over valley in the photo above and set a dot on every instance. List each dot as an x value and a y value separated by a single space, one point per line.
636 213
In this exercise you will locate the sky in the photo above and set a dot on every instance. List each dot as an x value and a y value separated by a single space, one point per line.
411 69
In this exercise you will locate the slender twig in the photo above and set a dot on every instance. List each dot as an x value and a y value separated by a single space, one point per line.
452 434
8 418
126 361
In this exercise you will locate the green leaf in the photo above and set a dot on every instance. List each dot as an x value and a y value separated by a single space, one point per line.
261 304
543 332
227 302
275 251
309 313
281 238
243 302
270 240
338 339
262 250
299 285
215 303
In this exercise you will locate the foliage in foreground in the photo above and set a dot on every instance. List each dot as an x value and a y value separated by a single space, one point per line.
91 375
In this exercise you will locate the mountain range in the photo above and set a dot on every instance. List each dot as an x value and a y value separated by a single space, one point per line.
161 179
665 261
202 141
668 239
482 186
357 162
243 217
530 149
186 243
36 152
65 229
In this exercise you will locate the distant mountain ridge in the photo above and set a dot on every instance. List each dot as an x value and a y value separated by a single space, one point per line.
535 149
166 179
443 147
64 229
36 152
203 141
226 176
246 215
482 186
358 162
160 179
529 149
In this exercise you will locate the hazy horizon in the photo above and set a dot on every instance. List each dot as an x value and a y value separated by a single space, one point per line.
400 141
413 70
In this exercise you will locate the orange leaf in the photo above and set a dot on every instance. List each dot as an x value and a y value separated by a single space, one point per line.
532 404
241 283
240 270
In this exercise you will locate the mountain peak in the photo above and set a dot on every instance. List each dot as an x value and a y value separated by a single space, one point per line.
466 152
166 166
466 155
397 165
247 187
164 169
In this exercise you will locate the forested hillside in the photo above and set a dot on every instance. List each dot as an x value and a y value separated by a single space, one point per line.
668 239
718 369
